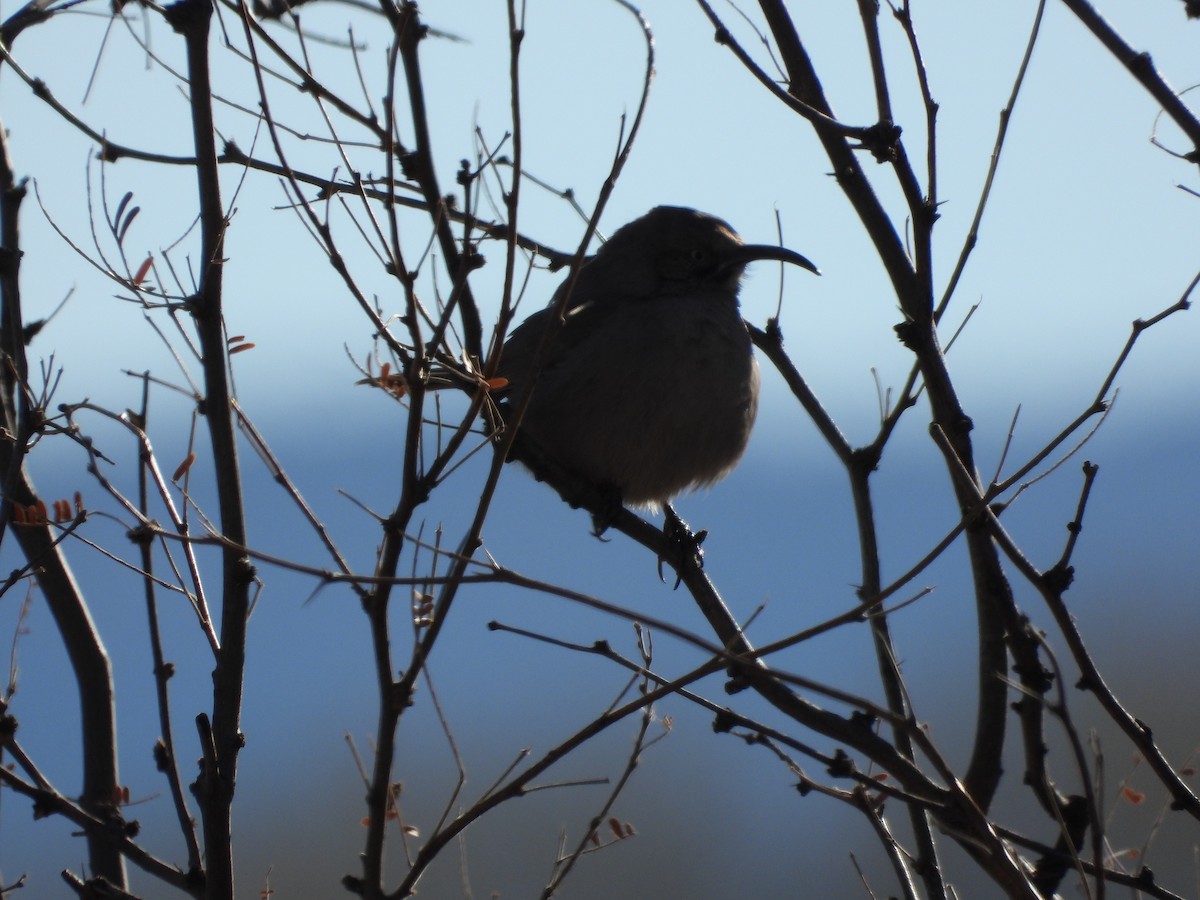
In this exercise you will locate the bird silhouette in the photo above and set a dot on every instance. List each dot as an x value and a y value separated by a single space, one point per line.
649 384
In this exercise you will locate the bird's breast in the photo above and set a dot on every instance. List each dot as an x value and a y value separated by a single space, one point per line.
658 397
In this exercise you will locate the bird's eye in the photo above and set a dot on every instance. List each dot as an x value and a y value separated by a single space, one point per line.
686 264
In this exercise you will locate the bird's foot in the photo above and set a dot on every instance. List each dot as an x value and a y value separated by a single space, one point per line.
683 547
612 504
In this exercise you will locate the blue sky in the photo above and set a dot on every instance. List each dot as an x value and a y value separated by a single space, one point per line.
1087 230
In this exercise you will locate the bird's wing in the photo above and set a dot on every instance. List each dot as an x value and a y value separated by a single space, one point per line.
583 317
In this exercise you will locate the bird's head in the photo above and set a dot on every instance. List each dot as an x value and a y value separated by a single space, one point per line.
675 248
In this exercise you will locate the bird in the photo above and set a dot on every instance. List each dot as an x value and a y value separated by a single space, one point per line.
648 385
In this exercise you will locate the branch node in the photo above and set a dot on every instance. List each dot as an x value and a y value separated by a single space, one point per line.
1060 577
882 140
842 765
723 722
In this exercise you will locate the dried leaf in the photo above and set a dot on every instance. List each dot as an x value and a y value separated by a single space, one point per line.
1132 796
184 466
143 270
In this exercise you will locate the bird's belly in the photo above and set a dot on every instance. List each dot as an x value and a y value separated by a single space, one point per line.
667 409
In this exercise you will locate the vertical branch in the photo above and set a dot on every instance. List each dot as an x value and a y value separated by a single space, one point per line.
868 11
904 15
396 695
806 86
88 657
1005 115
164 750
377 602
859 465
927 863
887 147
419 164
995 605
216 783
913 287
512 198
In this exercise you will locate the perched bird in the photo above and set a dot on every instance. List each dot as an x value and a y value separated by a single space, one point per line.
650 385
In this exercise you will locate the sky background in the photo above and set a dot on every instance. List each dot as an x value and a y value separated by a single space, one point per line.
1086 231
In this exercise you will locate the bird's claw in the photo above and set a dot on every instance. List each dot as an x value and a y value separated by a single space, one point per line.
603 518
683 547
600 525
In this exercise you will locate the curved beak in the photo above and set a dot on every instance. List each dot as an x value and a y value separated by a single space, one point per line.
749 253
